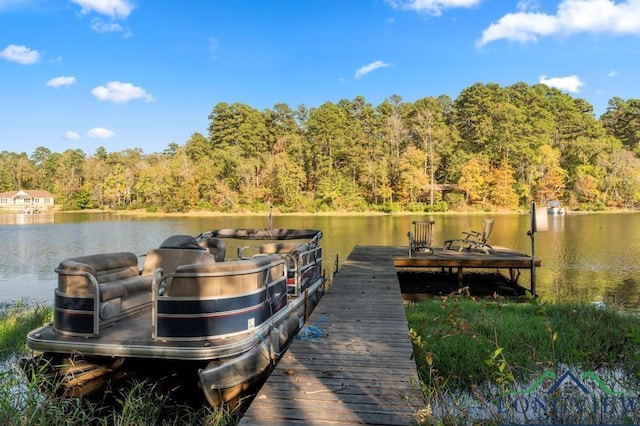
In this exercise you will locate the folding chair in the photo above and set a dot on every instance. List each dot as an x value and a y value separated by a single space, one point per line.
421 238
474 239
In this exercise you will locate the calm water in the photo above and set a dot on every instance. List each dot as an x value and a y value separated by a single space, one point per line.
584 257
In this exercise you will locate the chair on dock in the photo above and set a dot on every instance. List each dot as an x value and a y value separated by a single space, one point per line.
476 240
421 238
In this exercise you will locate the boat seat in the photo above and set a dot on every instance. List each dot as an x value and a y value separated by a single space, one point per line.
222 278
170 258
283 249
104 268
118 275
122 289
120 286
216 247
125 287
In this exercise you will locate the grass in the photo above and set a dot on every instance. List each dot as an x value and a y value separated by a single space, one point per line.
29 400
465 349
484 349
23 402
16 320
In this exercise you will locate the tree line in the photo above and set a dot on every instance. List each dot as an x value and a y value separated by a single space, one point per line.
492 148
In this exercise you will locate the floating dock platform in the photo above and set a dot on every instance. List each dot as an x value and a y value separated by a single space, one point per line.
497 258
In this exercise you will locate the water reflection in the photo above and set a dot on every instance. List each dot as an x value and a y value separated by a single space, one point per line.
584 257
25 219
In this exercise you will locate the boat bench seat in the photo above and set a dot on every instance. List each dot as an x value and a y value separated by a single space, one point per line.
223 278
283 249
117 275
125 287
121 287
170 258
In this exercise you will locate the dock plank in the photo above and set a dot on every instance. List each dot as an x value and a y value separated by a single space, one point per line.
361 370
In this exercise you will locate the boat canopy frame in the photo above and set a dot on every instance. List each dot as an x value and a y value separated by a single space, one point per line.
264 234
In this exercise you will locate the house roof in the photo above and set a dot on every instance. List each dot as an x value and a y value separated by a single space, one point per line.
33 193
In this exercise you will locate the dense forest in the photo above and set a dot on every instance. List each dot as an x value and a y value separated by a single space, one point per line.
492 148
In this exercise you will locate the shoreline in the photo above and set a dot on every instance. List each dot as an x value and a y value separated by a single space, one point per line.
209 213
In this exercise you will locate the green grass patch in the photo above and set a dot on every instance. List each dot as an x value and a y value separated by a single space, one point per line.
469 349
23 402
458 337
16 320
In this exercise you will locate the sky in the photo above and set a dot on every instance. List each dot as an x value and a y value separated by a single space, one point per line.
122 74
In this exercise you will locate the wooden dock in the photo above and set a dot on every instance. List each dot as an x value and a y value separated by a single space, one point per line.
360 371
498 258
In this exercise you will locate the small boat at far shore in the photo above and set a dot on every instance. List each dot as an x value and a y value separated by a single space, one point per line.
555 207
186 310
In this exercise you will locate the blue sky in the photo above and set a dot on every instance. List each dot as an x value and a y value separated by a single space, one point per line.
146 73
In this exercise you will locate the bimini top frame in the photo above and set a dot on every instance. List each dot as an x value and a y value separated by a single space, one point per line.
263 234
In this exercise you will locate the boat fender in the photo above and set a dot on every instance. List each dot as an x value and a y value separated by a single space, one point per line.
274 340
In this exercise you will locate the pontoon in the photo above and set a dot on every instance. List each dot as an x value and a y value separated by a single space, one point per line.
183 307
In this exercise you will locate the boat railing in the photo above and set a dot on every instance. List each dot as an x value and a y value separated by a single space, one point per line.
94 293
302 259
303 263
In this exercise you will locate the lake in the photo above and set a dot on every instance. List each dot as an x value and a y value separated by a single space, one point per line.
588 258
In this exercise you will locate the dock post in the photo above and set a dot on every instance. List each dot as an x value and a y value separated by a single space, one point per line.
538 223
533 252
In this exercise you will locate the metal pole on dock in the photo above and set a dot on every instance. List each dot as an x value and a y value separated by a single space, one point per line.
538 223
533 248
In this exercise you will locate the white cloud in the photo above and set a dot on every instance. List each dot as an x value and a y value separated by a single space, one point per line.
572 17
61 81
100 133
21 54
431 7
524 5
613 73
116 91
102 27
72 136
115 9
362 71
570 83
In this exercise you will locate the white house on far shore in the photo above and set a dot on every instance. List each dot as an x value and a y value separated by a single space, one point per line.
27 201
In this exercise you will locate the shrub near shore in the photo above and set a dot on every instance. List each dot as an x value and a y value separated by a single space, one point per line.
485 353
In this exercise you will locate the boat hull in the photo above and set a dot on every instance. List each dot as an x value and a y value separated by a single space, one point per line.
225 380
